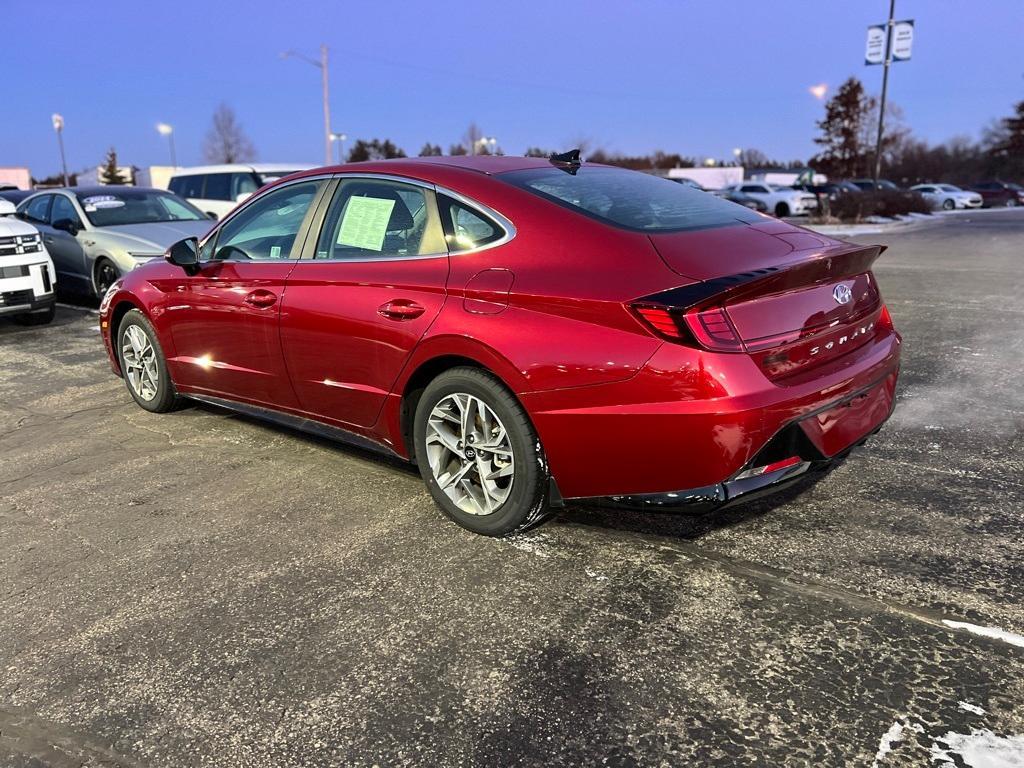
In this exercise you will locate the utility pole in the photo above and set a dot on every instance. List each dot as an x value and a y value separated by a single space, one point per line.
885 88
327 100
322 66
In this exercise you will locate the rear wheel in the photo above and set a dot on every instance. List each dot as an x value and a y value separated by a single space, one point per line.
143 365
948 205
781 210
479 454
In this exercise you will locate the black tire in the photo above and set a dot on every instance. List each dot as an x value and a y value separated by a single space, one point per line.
104 273
948 205
781 210
527 503
37 318
1011 202
166 398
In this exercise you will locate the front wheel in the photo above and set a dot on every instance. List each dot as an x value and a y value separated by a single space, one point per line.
479 454
782 210
105 274
143 365
948 205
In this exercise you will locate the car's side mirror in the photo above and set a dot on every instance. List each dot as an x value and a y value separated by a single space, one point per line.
211 215
66 225
185 254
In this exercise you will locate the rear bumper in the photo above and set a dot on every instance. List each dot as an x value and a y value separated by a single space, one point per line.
691 420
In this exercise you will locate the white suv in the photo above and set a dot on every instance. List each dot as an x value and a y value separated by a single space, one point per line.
27 277
217 189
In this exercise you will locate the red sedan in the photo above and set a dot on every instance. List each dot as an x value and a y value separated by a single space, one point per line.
527 331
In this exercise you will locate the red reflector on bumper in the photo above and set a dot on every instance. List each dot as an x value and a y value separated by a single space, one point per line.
775 466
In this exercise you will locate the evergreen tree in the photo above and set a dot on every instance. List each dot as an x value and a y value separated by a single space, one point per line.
374 149
111 174
843 132
1006 145
430 150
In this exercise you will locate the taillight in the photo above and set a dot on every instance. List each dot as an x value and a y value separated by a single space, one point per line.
713 329
710 328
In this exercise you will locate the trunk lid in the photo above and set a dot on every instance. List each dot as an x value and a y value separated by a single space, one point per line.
790 299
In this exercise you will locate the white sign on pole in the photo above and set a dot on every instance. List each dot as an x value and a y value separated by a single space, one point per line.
58 122
875 53
902 39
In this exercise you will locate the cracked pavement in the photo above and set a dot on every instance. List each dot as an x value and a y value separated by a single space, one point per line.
201 589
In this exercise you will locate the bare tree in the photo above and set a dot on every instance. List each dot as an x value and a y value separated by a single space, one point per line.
471 138
226 142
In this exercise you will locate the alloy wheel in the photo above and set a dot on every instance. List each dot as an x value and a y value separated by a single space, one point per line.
470 453
140 366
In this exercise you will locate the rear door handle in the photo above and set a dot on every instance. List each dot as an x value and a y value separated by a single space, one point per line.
261 299
401 309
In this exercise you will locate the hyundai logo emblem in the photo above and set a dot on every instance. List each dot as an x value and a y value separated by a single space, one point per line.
842 294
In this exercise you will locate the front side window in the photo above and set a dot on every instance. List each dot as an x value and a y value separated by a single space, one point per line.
267 228
630 199
371 218
466 228
242 184
63 209
38 209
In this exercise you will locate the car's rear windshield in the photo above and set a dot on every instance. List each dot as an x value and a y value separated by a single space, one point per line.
135 206
630 199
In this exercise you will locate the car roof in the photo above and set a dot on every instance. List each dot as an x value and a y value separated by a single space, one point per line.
235 167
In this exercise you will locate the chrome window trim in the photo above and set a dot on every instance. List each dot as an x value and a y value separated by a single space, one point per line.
503 221
258 196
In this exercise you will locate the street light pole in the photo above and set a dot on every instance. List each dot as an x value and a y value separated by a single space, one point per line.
885 88
168 131
340 138
323 67
58 127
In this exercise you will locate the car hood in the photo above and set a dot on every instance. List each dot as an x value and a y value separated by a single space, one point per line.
156 236
12 226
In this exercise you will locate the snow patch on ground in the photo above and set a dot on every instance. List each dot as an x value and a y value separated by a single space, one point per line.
890 737
534 543
979 749
972 708
995 634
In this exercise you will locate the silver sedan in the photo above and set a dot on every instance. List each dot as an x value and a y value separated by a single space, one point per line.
96 234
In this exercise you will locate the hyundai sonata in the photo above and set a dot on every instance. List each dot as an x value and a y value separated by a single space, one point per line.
525 330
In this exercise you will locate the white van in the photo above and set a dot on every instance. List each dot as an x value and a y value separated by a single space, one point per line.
217 189
27 277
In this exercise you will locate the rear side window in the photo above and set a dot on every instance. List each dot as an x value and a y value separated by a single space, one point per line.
218 187
187 186
380 219
466 228
630 199
38 210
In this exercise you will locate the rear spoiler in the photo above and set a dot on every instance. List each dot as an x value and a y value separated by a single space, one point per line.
844 260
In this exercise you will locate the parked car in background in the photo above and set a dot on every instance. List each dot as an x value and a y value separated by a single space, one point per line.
97 234
15 195
746 201
525 330
866 185
947 196
995 193
216 189
779 200
829 190
27 276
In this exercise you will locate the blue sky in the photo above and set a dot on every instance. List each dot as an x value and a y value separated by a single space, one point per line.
697 78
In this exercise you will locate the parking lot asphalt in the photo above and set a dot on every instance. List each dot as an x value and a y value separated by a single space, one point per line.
201 589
